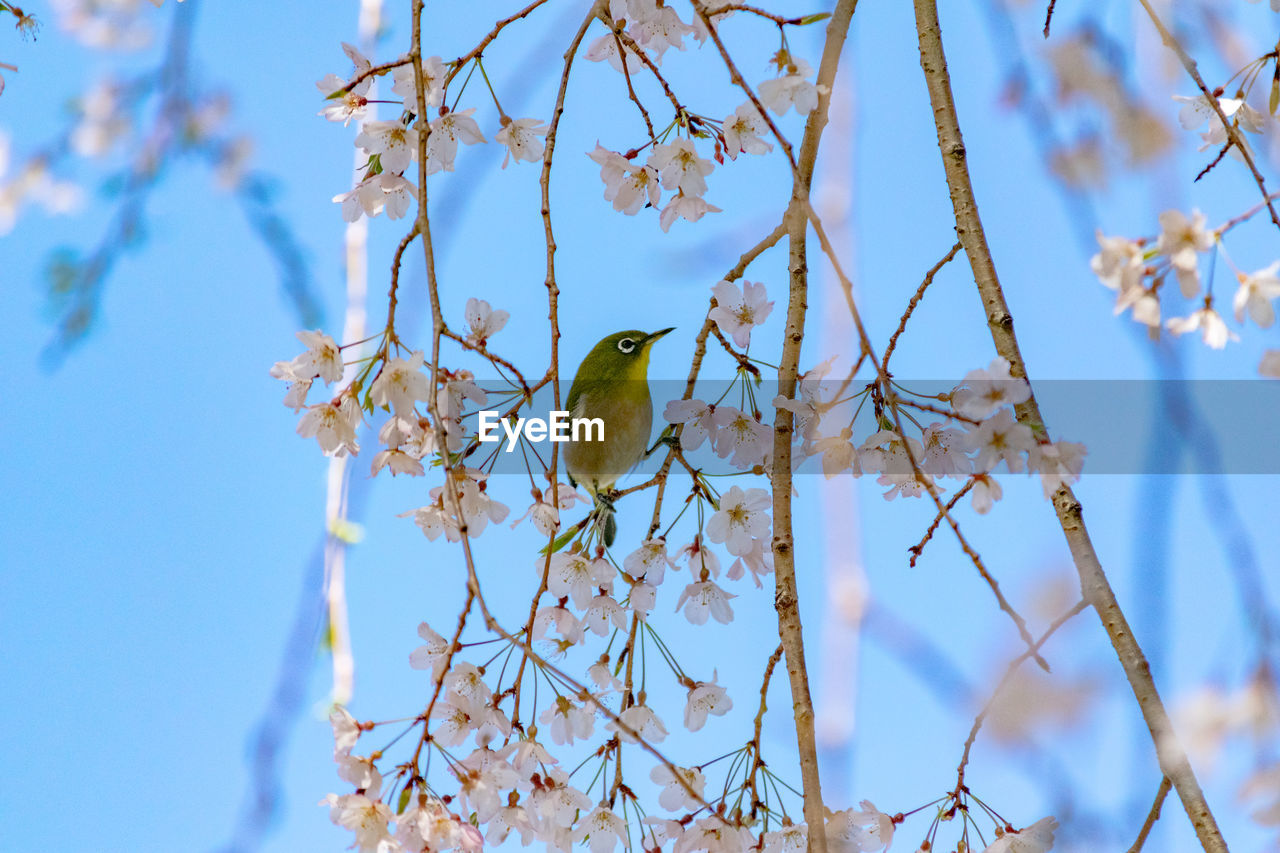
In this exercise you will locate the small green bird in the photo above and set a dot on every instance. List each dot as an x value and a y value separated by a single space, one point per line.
612 384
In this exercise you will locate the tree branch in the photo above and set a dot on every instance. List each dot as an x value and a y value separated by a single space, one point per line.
1093 581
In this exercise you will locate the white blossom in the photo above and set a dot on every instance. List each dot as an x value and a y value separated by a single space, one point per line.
434 73
697 418
333 426
680 166
703 598
984 391
1213 331
705 697
742 131
742 516
1180 240
675 787
433 654
602 829
446 132
738 311
395 145
688 207
1036 838
791 90
1000 439
1255 294
520 138
643 721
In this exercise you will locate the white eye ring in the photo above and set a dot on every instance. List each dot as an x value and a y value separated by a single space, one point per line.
626 345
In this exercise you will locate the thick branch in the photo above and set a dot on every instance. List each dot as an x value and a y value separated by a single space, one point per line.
1093 581
786 597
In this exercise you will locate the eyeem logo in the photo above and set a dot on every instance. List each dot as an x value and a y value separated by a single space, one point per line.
559 427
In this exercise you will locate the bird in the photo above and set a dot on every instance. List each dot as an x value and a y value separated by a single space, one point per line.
612 384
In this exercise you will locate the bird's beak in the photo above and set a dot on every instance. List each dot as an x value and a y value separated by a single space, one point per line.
653 337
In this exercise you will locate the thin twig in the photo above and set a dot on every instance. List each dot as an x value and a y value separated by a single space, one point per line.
553 316
738 80
1008 674
970 552
915 300
1233 132
916 549
1152 816
756 761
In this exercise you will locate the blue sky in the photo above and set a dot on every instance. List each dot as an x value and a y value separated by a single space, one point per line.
161 517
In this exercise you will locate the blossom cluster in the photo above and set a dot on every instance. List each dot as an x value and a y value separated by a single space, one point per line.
982 438
393 146
400 385
1138 270
676 166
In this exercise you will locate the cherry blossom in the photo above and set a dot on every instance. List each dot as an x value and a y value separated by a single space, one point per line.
434 655
1213 331
700 558
1180 240
838 454
704 598
395 145
680 167
367 818
1270 364
742 131
483 321
520 137
675 787
602 829
401 384
741 517
1198 109
1036 838
630 186
351 104
565 623
1000 439
697 419
791 89
984 391
944 452
700 31
688 207
792 838
1255 294
333 426
738 311
603 611
1121 263
985 492
649 561
748 441
434 73
1058 464
643 721
759 561
606 49
714 835
705 697
346 731
446 132
659 30
573 575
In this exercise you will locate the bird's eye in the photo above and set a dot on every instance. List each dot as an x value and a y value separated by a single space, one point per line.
626 345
